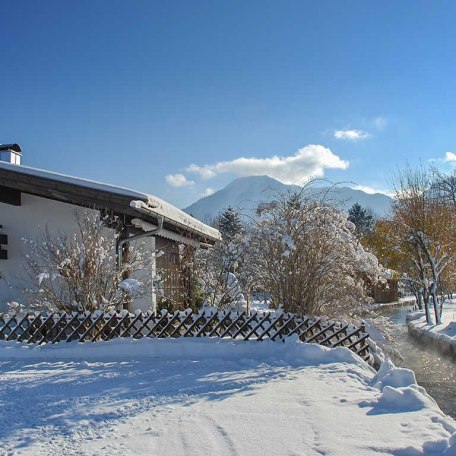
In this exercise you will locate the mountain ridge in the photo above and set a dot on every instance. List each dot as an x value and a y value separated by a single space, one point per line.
246 193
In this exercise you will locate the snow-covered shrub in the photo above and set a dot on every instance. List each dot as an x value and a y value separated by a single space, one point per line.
216 274
228 275
301 252
79 270
14 307
311 259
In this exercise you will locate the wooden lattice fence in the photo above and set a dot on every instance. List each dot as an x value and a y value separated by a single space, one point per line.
58 327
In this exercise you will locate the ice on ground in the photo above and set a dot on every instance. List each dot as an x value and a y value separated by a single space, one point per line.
201 396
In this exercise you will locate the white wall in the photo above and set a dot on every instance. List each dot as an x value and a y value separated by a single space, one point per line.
10 156
27 222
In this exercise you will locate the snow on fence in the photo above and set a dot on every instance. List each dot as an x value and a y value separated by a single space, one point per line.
58 327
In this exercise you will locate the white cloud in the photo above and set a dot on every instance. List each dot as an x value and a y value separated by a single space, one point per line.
353 135
209 191
204 171
446 163
310 161
450 157
370 190
178 180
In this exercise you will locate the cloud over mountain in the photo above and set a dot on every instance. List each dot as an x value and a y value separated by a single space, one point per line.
309 161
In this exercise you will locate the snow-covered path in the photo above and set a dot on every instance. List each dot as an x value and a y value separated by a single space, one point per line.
227 398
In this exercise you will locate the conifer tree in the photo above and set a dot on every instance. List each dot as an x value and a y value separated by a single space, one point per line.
230 223
361 218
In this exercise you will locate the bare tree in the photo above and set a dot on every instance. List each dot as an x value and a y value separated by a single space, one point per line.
425 222
443 186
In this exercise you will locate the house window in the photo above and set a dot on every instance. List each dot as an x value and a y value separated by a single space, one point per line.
10 196
3 242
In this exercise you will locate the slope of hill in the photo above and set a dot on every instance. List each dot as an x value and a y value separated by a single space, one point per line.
246 193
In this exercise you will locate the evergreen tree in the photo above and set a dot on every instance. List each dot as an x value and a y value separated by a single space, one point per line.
361 218
230 223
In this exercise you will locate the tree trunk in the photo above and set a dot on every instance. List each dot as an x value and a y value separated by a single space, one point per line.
419 299
435 300
426 309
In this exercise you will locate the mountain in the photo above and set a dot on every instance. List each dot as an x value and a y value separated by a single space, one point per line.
246 193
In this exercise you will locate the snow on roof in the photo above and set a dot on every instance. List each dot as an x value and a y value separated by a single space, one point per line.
153 204
168 211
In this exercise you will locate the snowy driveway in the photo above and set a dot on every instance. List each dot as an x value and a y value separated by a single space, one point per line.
229 399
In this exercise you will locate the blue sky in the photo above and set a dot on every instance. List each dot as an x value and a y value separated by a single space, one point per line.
179 98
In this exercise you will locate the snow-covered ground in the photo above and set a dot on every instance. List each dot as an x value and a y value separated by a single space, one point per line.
194 396
444 334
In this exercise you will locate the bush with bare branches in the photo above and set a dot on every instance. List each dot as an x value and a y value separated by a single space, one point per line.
311 258
78 271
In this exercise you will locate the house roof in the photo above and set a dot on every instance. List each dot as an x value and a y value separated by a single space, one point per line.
88 193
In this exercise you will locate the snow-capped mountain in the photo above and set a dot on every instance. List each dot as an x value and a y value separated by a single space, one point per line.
246 193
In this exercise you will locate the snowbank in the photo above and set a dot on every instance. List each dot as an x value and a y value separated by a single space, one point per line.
195 396
443 336
291 352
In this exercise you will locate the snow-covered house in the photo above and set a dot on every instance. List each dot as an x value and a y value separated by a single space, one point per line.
32 199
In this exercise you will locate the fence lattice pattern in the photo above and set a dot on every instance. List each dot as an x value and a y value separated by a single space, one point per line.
59 327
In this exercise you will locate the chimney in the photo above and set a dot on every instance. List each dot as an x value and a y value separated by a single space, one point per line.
10 153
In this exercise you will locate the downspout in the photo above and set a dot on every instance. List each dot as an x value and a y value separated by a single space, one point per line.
121 242
151 233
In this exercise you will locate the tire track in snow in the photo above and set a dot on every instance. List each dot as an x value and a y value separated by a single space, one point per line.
223 435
